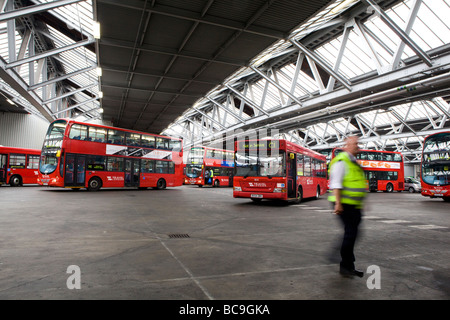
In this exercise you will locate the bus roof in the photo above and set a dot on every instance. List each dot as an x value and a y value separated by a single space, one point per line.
17 149
369 150
70 121
289 144
436 133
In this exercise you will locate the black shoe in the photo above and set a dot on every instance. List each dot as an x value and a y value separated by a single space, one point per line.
350 272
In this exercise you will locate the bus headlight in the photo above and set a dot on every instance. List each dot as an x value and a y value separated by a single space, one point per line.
237 189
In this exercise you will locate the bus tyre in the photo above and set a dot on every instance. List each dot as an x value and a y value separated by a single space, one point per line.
300 196
389 187
216 183
317 192
94 184
15 181
161 184
446 199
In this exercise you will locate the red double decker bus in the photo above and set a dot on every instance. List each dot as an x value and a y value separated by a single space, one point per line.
278 170
384 170
209 166
19 166
435 171
80 155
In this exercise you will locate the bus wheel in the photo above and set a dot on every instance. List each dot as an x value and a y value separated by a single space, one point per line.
318 192
446 199
216 183
94 184
389 187
200 185
161 184
300 196
15 181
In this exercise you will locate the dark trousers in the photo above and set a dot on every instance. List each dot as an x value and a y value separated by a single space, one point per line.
350 218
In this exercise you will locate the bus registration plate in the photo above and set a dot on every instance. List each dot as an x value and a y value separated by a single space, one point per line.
259 196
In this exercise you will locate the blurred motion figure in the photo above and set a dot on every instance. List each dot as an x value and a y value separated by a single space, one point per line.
347 193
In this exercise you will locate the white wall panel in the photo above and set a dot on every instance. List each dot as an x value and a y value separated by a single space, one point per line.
22 130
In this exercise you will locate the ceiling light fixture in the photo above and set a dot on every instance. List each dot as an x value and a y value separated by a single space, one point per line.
96 30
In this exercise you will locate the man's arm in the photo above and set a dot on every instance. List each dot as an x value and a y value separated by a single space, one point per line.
338 209
336 177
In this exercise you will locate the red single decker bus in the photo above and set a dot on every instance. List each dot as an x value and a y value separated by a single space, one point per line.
435 171
278 170
80 155
19 166
384 170
210 166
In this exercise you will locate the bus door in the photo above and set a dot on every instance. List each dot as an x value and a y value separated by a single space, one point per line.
373 180
3 163
291 171
75 170
132 172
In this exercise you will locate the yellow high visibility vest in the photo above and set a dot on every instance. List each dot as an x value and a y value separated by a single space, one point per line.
354 187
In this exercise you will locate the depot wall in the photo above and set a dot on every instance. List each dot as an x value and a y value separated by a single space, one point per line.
22 130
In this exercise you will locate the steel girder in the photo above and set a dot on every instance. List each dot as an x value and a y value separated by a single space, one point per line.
422 77
47 96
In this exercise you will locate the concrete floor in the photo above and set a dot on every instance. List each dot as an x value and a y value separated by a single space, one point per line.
224 249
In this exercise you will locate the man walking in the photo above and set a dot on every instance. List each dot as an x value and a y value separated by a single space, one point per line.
348 190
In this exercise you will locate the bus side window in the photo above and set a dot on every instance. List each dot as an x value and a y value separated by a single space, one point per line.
78 132
162 143
114 164
300 165
147 141
116 137
133 139
33 162
97 134
171 167
17 161
148 166
175 145
307 166
162 167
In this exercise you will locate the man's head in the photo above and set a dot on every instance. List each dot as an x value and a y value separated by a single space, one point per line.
351 145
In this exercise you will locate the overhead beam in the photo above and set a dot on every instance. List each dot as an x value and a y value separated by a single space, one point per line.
400 33
57 79
20 86
22 12
312 55
49 53
315 107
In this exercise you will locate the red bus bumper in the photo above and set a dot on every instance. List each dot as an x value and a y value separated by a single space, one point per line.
193 181
260 195
50 181
436 193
